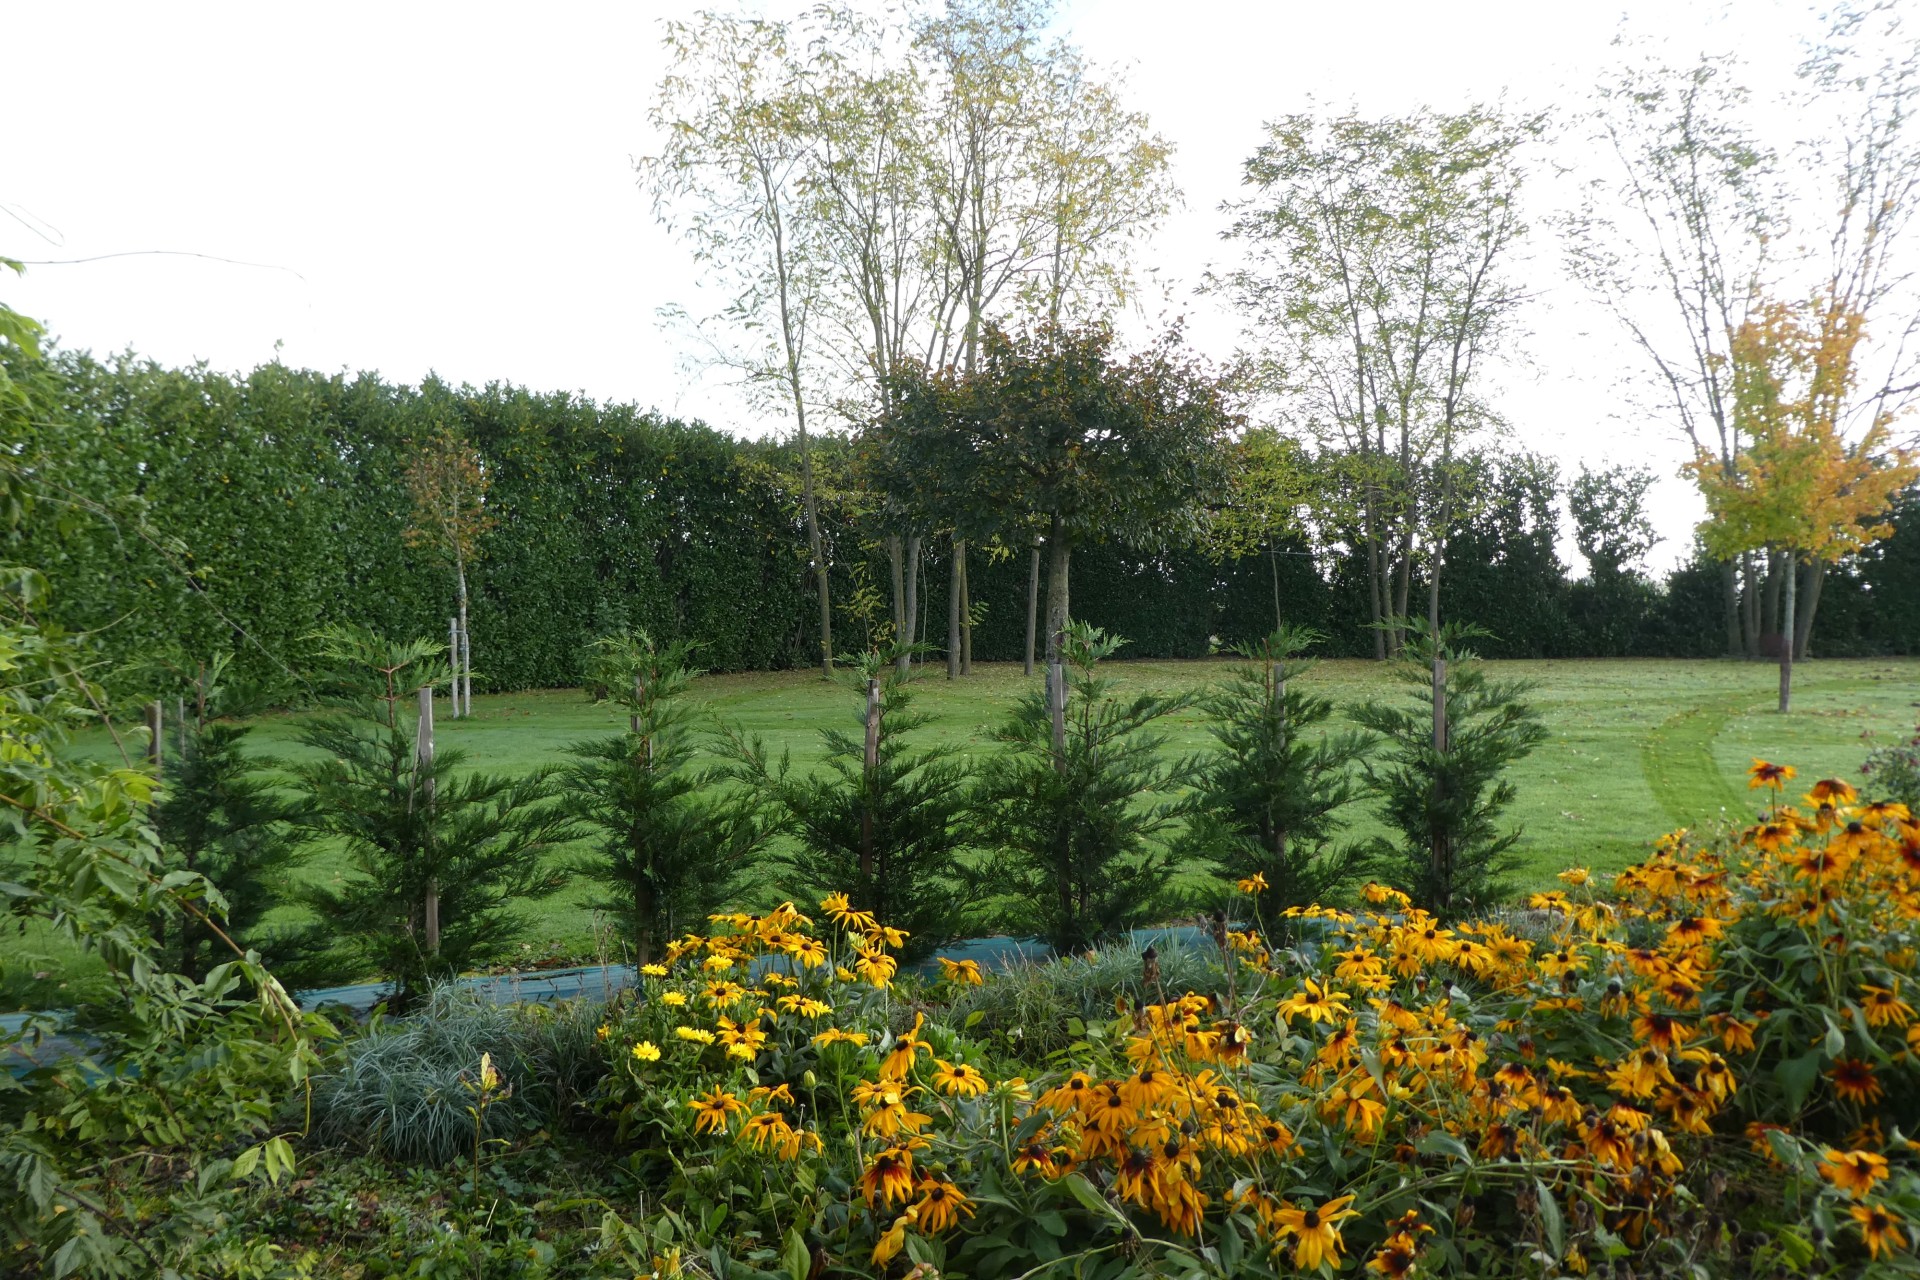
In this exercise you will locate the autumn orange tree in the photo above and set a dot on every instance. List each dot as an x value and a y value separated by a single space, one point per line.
1800 488
449 491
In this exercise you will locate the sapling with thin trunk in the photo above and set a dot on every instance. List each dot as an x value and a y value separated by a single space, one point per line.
885 821
421 836
1441 786
1268 802
669 844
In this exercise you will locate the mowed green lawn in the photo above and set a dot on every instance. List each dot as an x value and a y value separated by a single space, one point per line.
1635 748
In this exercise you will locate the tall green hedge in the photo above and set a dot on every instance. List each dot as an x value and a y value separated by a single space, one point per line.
211 512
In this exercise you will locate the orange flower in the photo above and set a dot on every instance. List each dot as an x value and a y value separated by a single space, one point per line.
1854 1172
1769 775
1831 791
1879 1228
1854 1081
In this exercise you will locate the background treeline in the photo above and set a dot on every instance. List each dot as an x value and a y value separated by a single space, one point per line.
244 514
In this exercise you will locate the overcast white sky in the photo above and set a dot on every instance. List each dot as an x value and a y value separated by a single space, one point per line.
448 188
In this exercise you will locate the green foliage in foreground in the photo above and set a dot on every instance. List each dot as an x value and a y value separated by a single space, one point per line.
190 1069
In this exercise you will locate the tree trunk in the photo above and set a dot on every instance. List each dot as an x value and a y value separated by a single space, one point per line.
453 664
1730 595
423 772
966 618
1750 606
870 770
897 572
1033 607
954 591
1273 562
1442 851
1771 595
156 740
463 687
1058 566
1815 575
1786 633
1376 577
913 598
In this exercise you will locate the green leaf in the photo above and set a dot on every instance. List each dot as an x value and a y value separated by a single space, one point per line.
1797 1076
1551 1221
1439 1143
1092 1201
796 1257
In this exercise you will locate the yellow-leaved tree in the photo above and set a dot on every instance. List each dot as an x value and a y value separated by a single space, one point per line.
448 486
1800 487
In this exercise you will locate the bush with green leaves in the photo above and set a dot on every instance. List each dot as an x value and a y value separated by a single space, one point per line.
886 827
174 1070
668 848
1440 786
1893 772
421 839
1034 1009
1267 803
1082 828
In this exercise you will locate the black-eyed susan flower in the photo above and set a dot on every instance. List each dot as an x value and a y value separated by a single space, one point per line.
941 1205
1764 774
894 1238
958 1080
1879 1228
712 1110
1883 1006
1316 1002
900 1059
1315 1231
964 973
1253 884
888 1176
1854 1081
1832 791
1854 1172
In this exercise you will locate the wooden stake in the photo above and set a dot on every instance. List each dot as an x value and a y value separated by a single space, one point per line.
156 742
423 768
871 761
1057 706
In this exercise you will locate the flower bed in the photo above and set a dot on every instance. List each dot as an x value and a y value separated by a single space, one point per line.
1708 1064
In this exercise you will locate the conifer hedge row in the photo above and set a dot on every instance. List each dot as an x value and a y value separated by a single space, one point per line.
212 512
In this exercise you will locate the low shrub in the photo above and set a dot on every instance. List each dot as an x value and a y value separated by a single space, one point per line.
401 1087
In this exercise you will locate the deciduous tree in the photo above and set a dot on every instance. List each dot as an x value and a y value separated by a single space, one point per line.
449 491
1799 488
1378 278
